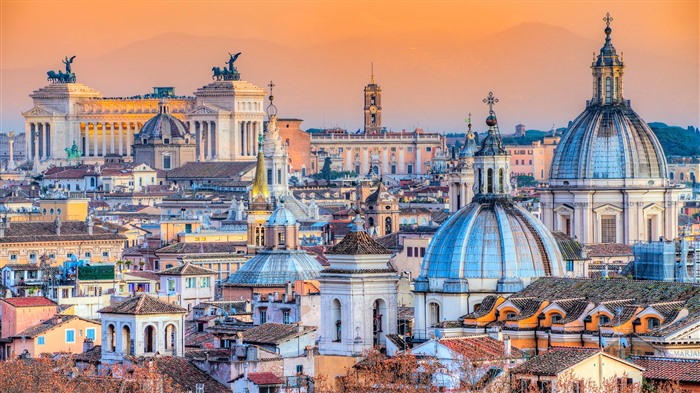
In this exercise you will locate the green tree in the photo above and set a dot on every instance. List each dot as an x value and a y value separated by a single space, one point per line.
326 171
526 181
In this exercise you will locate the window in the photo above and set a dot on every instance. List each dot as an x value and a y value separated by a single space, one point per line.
357 169
428 149
40 340
171 285
204 282
393 169
608 90
653 323
263 315
300 368
511 315
545 386
70 336
90 333
604 319
409 168
608 229
52 256
269 176
409 149
88 254
69 255
166 162
422 252
166 141
32 256
285 317
556 318
190 282
13 257
51 211
569 266
105 253
410 251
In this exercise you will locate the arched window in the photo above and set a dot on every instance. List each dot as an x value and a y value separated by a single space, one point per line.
149 339
433 314
370 222
653 323
489 181
603 319
111 338
336 320
556 318
617 88
387 226
169 338
126 340
511 315
378 320
608 90
599 92
500 180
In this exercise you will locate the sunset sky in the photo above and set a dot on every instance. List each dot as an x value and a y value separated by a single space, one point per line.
434 60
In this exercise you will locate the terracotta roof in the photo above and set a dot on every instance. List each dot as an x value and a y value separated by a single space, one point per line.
570 248
147 275
669 369
319 252
187 375
45 231
404 313
397 340
211 170
44 326
573 308
187 269
527 306
143 304
22 266
32 301
358 243
266 378
609 250
92 355
390 241
202 248
274 333
486 306
440 216
481 348
555 361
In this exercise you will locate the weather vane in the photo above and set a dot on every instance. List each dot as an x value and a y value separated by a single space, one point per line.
490 100
607 19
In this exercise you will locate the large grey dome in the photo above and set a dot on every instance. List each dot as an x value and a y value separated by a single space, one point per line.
493 239
609 142
162 126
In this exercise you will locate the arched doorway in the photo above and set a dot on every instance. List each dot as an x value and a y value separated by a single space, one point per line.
169 338
149 339
126 340
433 314
378 321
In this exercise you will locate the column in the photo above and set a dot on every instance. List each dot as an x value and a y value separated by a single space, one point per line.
402 168
385 160
129 134
212 143
365 160
207 136
104 139
35 138
84 141
94 140
111 136
47 140
200 141
348 159
27 140
419 164
121 139
40 140
244 139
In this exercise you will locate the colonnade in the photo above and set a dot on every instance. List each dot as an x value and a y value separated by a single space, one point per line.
249 131
38 140
98 139
205 134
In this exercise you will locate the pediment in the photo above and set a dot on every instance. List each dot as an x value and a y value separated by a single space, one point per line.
607 209
37 111
564 208
653 208
203 110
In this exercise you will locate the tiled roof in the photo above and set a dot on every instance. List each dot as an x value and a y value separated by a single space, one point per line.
187 269
570 248
486 306
480 348
390 241
319 252
669 369
628 312
397 340
573 308
143 304
404 313
440 216
32 301
202 248
263 379
197 339
211 170
147 275
273 333
528 307
22 266
45 231
92 355
554 361
187 375
609 250
44 326
358 243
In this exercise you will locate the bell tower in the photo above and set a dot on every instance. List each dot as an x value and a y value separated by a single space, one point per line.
373 107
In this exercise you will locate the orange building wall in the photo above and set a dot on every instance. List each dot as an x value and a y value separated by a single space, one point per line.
15 320
55 339
298 144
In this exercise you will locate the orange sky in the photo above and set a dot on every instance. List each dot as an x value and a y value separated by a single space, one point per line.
323 49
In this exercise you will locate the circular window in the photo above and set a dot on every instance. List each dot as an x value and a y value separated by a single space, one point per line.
58 212
370 208
388 208
44 211
651 182
51 211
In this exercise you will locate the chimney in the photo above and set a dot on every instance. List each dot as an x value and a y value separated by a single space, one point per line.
248 307
300 327
275 297
88 344
90 224
239 338
288 289
506 345
308 351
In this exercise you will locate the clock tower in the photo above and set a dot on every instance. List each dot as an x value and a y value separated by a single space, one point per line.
373 107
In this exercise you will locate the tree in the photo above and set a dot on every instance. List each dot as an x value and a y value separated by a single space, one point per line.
526 181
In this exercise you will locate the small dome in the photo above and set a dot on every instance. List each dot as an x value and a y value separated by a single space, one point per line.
609 142
282 216
276 267
495 240
161 126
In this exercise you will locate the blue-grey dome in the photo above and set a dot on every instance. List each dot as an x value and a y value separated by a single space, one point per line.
163 125
609 142
493 239
282 216
276 267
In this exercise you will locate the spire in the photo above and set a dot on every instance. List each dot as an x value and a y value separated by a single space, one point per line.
271 108
469 141
491 162
260 183
372 79
491 145
607 71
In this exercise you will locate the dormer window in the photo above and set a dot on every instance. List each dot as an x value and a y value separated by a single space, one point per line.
166 141
145 141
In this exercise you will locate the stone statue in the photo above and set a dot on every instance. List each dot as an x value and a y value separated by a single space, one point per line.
68 62
231 60
60 76
227 74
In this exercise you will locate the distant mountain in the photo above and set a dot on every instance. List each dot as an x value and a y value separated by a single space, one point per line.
540 73
677 141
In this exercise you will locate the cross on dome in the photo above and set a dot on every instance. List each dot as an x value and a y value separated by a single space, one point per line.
490 100
607 19
271 108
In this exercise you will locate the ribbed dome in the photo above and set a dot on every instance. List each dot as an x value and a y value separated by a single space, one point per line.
609 142
163 125
493 239
282 216
276 267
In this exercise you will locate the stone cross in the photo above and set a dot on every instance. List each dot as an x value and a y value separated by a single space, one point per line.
607 19
490 100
